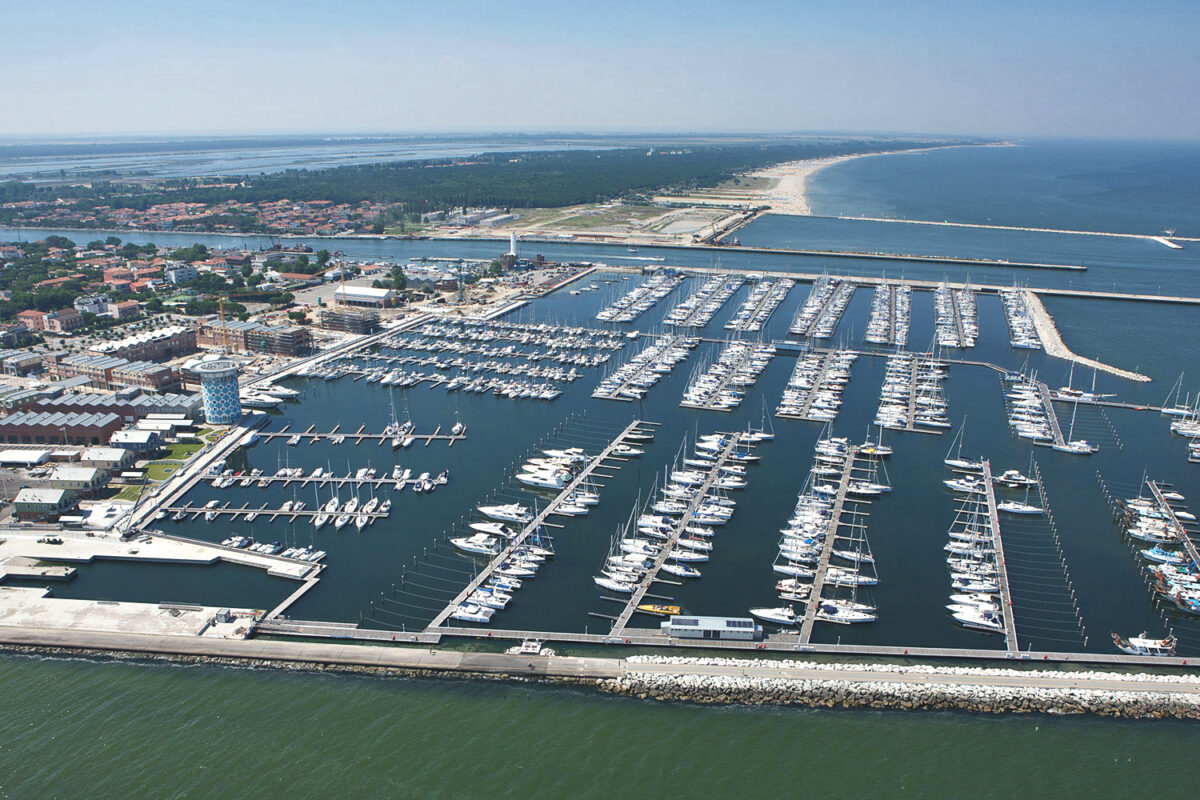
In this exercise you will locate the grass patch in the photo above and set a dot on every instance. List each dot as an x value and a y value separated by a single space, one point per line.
129 493
158 471
181 450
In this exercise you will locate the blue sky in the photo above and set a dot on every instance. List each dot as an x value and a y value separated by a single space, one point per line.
1112 69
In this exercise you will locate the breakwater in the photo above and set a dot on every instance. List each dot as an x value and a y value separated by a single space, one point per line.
707 681
996 691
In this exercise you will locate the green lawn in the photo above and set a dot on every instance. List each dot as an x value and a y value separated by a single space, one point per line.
181 450
159 471
129 493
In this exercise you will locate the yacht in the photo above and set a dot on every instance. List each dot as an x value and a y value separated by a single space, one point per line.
491 529
478 544
978 619
844 612
1013 507
512 512
783 615
472 612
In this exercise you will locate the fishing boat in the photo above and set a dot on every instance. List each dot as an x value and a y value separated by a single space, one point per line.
1145 646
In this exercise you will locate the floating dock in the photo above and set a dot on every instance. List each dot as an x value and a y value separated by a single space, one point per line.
1006 609
835 520
652 574
359 436
533 525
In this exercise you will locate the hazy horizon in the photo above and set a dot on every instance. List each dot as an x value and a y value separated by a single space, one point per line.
1106 69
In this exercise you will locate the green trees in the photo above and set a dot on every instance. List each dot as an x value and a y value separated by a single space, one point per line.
196 252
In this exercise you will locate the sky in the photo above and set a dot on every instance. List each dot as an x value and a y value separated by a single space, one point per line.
1000 68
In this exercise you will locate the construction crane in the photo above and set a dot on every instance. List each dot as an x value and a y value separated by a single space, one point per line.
224 330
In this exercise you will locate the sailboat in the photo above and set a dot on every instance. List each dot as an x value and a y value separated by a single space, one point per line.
958 462
1175 408
1079 447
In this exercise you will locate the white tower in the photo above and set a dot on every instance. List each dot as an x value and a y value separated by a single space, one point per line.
512 243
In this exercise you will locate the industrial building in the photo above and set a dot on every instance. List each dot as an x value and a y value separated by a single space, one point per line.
130 404
367 296
42 427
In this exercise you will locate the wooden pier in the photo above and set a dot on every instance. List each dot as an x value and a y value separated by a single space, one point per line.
714 473
1006 609
531 527
818 582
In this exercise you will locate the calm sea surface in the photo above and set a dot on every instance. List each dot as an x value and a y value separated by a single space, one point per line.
109 728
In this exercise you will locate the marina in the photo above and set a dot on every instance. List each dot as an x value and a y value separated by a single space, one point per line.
369 374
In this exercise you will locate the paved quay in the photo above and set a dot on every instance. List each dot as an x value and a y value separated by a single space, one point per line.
585 668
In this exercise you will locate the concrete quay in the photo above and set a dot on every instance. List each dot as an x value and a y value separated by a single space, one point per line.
85 547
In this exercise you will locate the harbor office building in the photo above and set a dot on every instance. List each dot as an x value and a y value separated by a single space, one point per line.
31 504
738 628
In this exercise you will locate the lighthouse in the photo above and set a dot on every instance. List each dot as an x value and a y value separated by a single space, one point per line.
512 244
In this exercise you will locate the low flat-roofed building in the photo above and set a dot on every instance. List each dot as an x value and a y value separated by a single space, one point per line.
136 440
367 296
31 504
83 481
23 458
691 627
109 459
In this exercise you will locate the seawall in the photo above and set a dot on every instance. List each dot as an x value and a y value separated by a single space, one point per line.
682 679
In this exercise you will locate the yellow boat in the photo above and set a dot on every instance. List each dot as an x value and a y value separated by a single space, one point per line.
658 608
